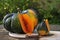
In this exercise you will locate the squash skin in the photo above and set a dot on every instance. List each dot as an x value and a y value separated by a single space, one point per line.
43 29
31 19
7 22
15 24
33 15
11 23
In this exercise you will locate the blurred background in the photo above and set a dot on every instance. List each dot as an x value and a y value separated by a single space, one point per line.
49 9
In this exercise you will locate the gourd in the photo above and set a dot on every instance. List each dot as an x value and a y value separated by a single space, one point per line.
43 28
22 23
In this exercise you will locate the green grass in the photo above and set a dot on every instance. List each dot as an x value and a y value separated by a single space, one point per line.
0 22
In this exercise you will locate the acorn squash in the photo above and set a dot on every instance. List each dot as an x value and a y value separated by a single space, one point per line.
43 28
24 22
7 22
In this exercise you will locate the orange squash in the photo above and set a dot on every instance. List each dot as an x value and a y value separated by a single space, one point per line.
33 16
28 21
44 28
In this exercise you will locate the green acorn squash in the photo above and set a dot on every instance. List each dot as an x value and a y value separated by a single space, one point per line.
43 28
24 22
7 22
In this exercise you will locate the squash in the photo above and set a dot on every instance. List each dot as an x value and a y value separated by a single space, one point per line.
22 23
7 22
16 25
11 23
31 20
44 28
28 21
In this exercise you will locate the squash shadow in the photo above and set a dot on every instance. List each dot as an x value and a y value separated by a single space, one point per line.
49 35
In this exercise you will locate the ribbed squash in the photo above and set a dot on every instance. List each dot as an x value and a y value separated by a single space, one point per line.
44 28
24 22
34 17
28 21
16 25
7 22
12 24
